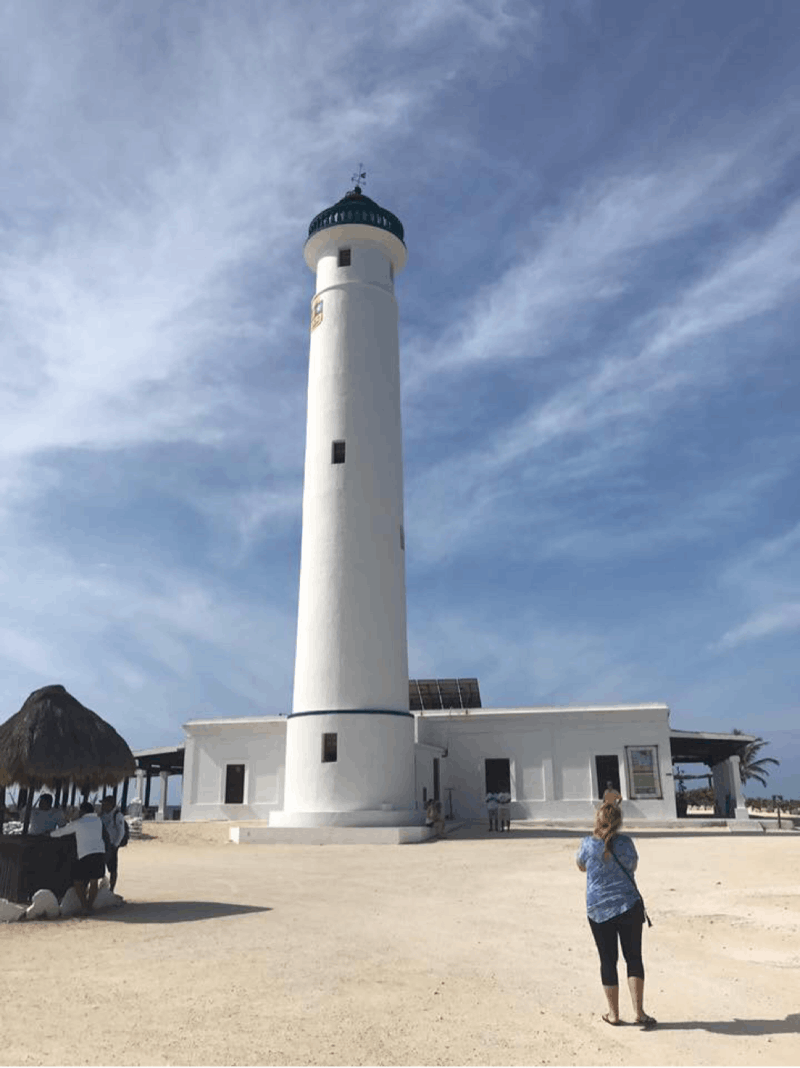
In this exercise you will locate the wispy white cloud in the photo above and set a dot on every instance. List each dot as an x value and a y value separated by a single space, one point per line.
137 637
490 23
606 416
765 578
777 619
760 275
591 253
533 662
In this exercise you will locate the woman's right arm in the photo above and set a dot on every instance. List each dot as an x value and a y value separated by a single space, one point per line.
630 857
580 859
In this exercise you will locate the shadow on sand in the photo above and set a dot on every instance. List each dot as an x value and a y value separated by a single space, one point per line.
789 1026
173 911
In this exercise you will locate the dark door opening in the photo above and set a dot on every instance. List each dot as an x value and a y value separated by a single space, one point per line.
498 776
435 778
234 784
607 772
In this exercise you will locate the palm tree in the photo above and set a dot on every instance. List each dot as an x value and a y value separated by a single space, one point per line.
751 766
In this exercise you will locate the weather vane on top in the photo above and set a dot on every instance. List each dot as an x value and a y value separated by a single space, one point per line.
360 177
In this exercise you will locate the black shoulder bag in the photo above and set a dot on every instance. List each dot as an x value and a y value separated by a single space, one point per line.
630 879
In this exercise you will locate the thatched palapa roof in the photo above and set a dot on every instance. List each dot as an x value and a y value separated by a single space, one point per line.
55 738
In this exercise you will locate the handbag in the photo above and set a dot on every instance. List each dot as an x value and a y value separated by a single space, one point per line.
631 880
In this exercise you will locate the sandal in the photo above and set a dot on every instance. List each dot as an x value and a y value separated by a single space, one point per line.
647 1022
608 1020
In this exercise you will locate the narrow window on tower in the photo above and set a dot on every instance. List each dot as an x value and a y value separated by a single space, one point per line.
402 538
329 748
316 313
337 452
344 257
391 270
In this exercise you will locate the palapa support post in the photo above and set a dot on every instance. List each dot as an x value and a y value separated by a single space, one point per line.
2 807
124 801
28 809
72 795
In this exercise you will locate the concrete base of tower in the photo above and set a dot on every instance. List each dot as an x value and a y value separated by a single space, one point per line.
247 835
379 817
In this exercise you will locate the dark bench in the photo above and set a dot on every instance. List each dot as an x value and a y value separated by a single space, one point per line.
35 862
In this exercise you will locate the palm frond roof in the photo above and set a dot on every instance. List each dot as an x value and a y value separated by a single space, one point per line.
55 738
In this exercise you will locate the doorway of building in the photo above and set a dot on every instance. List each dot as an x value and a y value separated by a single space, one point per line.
234 784
498 776
435 778
607 768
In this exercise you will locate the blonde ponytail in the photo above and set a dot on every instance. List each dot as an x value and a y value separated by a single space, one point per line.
607 823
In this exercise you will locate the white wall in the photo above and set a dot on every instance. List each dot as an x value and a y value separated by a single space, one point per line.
374 764
258 742
424 756
551 755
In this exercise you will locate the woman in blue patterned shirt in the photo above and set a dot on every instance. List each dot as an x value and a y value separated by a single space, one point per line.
615 909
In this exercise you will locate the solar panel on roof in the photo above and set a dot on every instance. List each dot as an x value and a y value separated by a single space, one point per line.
429 695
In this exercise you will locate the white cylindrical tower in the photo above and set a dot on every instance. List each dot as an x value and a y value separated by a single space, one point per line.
350 737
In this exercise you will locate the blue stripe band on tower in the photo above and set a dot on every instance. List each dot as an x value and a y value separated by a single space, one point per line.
352 712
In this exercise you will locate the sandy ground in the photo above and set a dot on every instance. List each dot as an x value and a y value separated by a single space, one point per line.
470 950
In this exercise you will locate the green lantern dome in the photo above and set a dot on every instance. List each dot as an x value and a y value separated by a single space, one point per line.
354 207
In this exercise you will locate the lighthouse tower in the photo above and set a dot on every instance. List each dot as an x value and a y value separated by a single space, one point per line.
350 736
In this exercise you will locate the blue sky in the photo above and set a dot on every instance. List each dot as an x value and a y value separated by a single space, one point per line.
599 324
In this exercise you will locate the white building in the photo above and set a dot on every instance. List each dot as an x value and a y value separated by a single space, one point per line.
555 762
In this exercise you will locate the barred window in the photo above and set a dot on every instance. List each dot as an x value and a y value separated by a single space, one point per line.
329 749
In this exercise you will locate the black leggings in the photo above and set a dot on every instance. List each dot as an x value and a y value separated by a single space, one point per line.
628 928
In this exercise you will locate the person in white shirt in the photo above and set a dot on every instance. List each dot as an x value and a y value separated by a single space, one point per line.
491 808
114 823
504 812
90 866
44 817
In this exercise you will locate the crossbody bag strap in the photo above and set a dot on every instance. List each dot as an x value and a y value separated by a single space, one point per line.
630 878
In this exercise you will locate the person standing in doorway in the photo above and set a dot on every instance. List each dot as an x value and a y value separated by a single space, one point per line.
114 824
90 866
491 808
615 909
612 796
504 812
